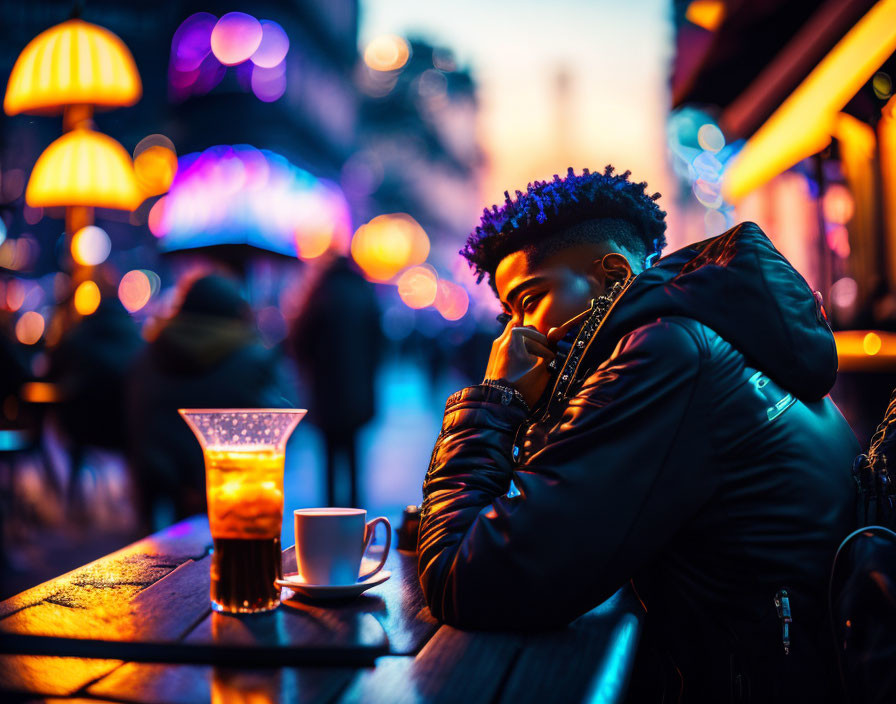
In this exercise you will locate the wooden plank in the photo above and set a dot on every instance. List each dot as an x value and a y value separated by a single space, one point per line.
294 634
454 666
398 604
591 660
79 700
49 676
108 616
91 599
186 684
154 627
122 574
189 539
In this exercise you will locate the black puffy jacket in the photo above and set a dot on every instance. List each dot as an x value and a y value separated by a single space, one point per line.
692 449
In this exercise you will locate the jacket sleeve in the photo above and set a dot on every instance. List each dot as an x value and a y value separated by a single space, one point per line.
620 472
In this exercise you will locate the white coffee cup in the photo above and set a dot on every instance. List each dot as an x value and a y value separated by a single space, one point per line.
330 543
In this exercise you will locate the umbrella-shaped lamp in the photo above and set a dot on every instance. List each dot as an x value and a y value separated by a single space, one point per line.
84 168
71 68
73 63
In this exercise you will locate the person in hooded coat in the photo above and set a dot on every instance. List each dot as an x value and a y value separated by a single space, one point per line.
90 365
208 355
337 341
660 422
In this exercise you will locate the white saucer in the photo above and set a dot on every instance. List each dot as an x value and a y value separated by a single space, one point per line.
294 582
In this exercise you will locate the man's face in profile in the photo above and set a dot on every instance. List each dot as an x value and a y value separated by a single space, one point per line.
547 293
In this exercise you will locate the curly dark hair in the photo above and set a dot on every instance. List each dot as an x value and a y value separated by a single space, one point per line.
551 215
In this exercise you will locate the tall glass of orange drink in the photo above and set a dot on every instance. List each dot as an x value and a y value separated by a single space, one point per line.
244 451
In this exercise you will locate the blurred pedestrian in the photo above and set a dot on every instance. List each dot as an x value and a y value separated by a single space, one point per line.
208 355
89 365
337 341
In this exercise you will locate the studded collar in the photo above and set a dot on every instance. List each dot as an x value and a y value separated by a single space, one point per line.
570 367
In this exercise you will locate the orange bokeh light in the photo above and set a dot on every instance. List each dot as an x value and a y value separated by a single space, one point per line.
866 350
30 328
155 168
452 301
418 286
15 295
313 241
708 14
87 297
388 244
872 343
387 53
134 290
838 204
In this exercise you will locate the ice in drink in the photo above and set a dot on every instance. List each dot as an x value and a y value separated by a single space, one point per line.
244 451
245 492
245 509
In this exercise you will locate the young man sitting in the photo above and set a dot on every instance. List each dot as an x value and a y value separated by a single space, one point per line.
661 422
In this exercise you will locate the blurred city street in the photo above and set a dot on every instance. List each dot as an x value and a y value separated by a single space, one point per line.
203 208
46 539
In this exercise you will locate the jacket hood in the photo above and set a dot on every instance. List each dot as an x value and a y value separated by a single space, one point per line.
744 289
191 343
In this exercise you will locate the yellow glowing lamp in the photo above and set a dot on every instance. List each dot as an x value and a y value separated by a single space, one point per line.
803 124
70 64
706 13
886 130
866 350
86 168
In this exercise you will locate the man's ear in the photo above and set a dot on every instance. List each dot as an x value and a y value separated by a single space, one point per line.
613 267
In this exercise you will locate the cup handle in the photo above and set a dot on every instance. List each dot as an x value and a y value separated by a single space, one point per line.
368 537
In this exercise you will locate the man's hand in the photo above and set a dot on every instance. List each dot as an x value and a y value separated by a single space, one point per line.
520 357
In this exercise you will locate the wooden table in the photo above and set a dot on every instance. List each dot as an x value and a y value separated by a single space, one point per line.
136 626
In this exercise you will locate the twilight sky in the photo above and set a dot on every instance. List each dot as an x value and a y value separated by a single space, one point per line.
612 56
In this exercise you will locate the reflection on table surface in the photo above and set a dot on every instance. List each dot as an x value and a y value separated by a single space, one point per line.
152 599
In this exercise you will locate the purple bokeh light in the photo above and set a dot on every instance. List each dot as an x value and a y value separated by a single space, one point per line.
204 46
240 194
182 79
211 73
269 84
243 73
273 47
235 38
191 42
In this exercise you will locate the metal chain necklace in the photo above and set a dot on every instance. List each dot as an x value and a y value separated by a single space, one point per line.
600 307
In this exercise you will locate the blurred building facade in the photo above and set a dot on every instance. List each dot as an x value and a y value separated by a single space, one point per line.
784 113
417 146
387 141
751 71
410 149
